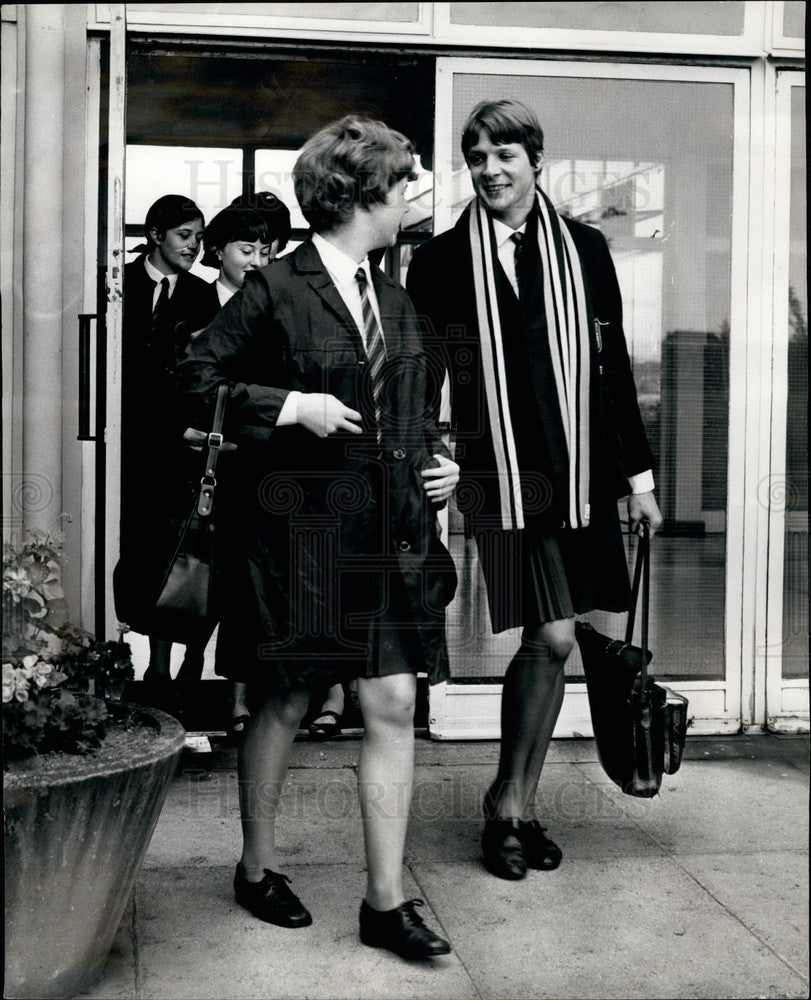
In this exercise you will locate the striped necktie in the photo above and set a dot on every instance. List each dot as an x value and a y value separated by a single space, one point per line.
375 348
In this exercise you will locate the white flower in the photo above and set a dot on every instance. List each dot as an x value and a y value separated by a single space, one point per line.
20 686
8 683
42 673
17 583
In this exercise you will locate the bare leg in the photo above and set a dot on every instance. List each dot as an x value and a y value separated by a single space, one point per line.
530 705
334 701
385 781
264 755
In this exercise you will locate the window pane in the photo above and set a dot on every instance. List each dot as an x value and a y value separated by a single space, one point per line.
399 13
658 184
274 173
795 566
673 18
794 19
210 177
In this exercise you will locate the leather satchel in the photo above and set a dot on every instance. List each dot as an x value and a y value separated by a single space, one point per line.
639 725
186 607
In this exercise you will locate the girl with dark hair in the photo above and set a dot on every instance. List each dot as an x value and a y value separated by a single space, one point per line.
163 305
240 239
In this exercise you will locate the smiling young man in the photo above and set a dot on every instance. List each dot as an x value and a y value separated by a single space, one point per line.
522 308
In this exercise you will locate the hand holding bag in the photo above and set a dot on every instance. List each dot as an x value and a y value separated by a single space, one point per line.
639 725
186 606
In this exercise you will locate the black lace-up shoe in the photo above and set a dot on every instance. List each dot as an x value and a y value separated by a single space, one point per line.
541 852
401 930
502 848
272 899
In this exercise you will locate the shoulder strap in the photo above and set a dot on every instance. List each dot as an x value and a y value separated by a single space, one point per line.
641 581
205 498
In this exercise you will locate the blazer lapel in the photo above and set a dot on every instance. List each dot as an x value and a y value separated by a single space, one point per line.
389 302
308 263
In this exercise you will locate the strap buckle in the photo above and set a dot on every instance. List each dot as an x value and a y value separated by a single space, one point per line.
215 439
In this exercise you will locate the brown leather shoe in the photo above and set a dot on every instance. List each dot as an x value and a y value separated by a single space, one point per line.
541 852
272 900
401 930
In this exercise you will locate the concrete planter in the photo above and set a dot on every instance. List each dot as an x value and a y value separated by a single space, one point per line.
76 831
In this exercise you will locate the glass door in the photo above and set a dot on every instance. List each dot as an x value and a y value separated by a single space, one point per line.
654 157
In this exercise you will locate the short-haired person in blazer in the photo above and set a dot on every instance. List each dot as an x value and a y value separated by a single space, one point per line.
338 570
522 309
163 305
244 236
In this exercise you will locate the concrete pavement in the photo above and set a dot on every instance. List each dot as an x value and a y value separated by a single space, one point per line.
701 892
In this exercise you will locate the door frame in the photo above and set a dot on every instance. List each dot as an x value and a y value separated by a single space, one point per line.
787 704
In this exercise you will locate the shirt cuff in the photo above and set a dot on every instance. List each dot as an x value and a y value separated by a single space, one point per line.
642 482
289 412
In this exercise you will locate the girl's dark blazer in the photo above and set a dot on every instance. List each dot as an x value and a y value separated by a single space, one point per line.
156 467
353 510
440 283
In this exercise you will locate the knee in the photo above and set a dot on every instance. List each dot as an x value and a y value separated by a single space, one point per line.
285 711
387 702
551 643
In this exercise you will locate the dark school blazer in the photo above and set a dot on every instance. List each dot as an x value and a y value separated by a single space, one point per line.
156 467
323 526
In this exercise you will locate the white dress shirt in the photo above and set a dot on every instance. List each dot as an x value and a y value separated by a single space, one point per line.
642 482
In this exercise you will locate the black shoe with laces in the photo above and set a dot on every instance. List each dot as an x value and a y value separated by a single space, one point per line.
272 899
541 853
401 930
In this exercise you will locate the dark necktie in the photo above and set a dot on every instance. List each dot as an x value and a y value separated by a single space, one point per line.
160 308
518 240
373 341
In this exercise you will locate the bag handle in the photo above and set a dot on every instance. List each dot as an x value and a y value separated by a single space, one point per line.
205 498
641 582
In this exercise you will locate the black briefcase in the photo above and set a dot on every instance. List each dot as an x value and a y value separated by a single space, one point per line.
639 725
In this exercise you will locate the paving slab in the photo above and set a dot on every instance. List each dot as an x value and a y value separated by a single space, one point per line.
603 929
768 893
319 821
446 815
708 806
195 942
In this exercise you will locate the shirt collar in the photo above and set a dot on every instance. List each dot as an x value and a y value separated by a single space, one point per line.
341 269
223 292
503 232
158 276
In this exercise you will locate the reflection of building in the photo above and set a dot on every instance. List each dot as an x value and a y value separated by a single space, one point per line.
649 132
694 432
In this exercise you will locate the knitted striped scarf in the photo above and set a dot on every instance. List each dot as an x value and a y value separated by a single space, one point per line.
567 321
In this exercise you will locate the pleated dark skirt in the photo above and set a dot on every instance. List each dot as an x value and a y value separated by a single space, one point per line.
531 580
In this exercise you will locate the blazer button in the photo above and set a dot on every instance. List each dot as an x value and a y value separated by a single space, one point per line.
405 546
399 453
